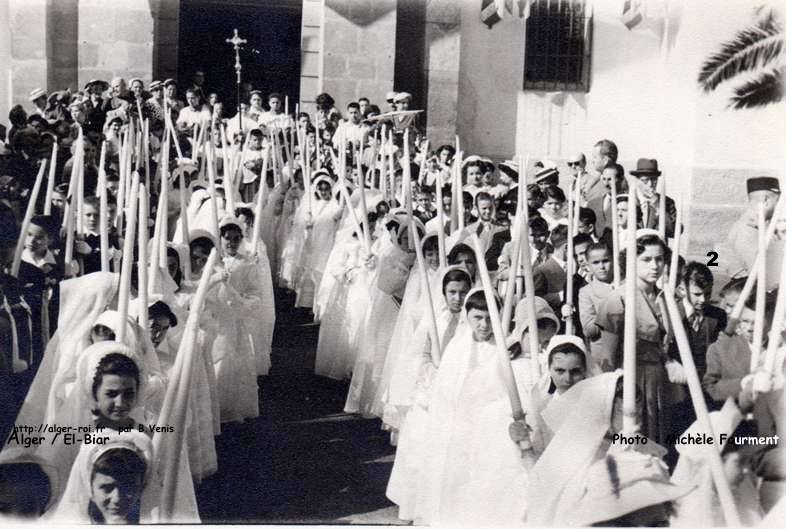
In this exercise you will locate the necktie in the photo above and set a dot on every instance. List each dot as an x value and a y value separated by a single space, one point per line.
696 321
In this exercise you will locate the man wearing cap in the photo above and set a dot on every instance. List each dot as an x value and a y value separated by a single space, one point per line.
591 184
648 199
155 104
95 113
390 97
764 191
38 98
406 121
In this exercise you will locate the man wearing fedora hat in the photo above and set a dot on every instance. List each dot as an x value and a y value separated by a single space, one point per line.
648 203
764 191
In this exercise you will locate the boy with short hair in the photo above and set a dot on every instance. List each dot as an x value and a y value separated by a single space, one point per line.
39 274
89 247
252 166
587 220
729 358
591 297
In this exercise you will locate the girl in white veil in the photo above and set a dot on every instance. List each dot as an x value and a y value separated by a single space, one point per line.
112 483
386 291
320 226
88 406
349 271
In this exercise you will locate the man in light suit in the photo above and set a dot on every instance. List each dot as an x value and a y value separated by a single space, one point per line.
486 226
591 184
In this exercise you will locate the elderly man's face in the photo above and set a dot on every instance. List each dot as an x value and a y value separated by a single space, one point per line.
137 88
118 87
256 101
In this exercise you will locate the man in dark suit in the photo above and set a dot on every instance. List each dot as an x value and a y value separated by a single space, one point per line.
601 205
648 202
550 276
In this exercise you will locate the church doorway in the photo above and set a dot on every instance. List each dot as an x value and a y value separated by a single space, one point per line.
270 58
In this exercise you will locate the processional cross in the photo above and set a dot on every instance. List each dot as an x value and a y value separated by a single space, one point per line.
236 42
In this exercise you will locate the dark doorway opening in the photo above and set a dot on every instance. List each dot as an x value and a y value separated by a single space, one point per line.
270 59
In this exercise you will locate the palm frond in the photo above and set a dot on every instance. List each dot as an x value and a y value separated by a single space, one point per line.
765 89
752 48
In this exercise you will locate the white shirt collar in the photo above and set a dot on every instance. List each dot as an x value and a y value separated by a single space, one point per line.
28 257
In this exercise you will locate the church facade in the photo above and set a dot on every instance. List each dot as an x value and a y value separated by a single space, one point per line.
539 78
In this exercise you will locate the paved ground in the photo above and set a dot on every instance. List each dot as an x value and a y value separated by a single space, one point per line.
303 460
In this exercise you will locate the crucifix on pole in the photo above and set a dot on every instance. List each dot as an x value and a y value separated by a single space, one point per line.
236 42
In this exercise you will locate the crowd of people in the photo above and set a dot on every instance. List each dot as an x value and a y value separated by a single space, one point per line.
531 337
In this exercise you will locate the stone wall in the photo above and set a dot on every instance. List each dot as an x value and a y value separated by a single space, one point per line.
30 61
117 41
443 44
359 48
63 22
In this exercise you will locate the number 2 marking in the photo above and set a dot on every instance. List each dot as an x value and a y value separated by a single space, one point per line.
713 257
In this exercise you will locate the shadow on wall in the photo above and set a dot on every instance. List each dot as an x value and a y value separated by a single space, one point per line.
361 13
